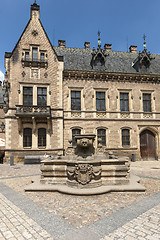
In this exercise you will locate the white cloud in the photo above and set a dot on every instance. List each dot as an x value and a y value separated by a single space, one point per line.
1 76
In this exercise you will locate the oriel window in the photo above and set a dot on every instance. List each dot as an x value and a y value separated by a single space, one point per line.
101 135
35 54
125 137
41 96
76 100
100 101
146 102
27 137
27 96
74 133
124 102
41 137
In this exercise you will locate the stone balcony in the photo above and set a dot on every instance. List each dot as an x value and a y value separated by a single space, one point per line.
33 111
38 63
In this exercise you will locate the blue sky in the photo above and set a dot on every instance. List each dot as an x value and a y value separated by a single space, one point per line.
79 21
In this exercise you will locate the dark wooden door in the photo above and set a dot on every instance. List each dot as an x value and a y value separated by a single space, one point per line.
147 145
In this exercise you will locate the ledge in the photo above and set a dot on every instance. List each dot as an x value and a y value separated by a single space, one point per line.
133 186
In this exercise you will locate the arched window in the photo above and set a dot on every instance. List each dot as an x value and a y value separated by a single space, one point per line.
75 132
125 137
41 137
27 137
101 135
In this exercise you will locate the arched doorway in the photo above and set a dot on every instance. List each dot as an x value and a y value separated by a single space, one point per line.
147 145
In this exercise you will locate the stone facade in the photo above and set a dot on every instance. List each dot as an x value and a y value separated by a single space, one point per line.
128 84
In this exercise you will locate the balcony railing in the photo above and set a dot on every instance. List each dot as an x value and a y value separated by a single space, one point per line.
30 62
39 111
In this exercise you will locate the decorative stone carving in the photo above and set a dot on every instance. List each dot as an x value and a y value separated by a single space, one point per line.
147 115
83 173
125 115
76 114
34 33
23 74
6 87
101 114
35 73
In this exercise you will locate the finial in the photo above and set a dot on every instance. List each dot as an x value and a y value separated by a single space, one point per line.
99 39
35 1
144 43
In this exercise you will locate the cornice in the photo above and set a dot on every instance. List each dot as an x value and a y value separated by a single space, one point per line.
110 76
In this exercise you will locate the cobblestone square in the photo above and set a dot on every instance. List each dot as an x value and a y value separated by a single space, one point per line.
76 214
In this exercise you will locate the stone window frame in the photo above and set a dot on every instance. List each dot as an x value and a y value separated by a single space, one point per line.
105 90
102 134
81 89
121 137
130 100
27 96
71 132
30 145
152 93
42 142
42 95
30 52
147 105
107 135
35 91
101 100
48 136
124 102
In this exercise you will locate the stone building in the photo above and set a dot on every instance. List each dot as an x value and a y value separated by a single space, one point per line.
53 93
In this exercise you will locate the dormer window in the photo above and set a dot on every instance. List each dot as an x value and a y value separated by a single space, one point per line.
99 62
35 54
98 59
142 62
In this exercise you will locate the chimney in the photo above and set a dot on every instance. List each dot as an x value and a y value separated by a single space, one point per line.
35 11
87 45
62 43
133 49
107 47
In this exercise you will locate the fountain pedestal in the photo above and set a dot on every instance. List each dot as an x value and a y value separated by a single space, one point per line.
84 172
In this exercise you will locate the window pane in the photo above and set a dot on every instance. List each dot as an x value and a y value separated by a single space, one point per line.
42 96
35 54
76 100
146 102
42 57
100 101
124 102
27 56
101 134
27 96
27 137
75 132
125 137
41 137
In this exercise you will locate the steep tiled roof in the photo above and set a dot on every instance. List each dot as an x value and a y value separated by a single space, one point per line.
120 62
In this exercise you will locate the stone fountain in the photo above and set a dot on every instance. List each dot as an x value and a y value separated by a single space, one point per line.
84 172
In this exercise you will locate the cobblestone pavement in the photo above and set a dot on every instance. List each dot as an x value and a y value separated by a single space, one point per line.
15 224
77 217
146 226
